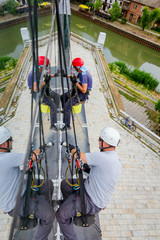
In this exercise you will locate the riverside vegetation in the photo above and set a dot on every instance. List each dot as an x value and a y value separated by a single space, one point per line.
7 66
140 87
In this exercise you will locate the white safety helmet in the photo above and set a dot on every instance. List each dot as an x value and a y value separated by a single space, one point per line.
4 134
110 136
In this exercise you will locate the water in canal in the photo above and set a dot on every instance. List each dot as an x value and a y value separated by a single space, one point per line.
116 48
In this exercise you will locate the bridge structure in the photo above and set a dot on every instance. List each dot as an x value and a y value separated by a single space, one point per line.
134 210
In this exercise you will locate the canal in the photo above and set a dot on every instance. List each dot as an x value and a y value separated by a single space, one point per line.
116 47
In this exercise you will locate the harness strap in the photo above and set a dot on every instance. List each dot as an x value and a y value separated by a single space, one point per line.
27 198
7 149
82 197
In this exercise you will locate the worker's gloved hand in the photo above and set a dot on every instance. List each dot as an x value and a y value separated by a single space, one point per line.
86 168
73 79
63 73
71 147
47 78
57 73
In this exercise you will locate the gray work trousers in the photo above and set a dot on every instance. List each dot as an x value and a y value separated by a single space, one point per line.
42 210
69 208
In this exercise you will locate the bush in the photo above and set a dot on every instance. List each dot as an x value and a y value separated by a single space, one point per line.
113 67
98 5
144 78
7 63
136 75
1 12
11 6
124 20
85 2
123 68
156 29
90 5
157 108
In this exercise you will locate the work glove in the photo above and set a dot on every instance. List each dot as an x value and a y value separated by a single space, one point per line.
57 73
73 79
71 147
86 168
47 78
63 73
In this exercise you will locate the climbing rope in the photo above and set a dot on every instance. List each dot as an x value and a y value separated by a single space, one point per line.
37 111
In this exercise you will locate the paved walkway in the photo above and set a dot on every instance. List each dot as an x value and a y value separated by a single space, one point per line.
134 210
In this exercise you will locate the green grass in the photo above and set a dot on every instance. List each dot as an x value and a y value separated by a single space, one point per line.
130 98
134 93
136 75
2 89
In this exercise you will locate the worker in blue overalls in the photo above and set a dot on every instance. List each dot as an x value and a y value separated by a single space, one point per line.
83 82
49 97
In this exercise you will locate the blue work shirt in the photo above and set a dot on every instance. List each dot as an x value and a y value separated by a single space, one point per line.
30 78
85 79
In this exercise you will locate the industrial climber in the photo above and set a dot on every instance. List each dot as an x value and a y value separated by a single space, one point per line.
83 83
10 174
105 168
49 97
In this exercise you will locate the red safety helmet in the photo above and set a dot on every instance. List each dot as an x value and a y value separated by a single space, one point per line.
77 62
41 60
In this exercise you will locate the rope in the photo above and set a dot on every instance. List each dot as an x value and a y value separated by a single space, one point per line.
33 116
62 53
72 185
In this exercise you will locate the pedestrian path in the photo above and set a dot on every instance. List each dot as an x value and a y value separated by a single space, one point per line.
134 210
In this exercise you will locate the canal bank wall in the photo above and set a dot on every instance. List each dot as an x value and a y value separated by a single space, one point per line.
10 20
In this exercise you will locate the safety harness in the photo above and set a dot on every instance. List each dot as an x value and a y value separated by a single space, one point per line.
81 218
28 221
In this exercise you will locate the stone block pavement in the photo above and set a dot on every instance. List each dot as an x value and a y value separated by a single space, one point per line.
134 210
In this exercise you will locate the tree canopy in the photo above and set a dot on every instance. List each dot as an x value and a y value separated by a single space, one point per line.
115 11
145 20
149 17
154 16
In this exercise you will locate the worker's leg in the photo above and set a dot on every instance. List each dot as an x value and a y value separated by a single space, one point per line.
68 109
66 189
68 209
46 215
53 110
64 98
46 189
56 98
64 217
42 210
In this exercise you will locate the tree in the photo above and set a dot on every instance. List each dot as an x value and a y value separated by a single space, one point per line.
154 16
11 6
115 11
157 108
145 20
98 5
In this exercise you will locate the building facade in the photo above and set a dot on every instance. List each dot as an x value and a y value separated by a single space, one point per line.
107 4
133 10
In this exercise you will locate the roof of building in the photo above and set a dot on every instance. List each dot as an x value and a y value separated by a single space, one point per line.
149 3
